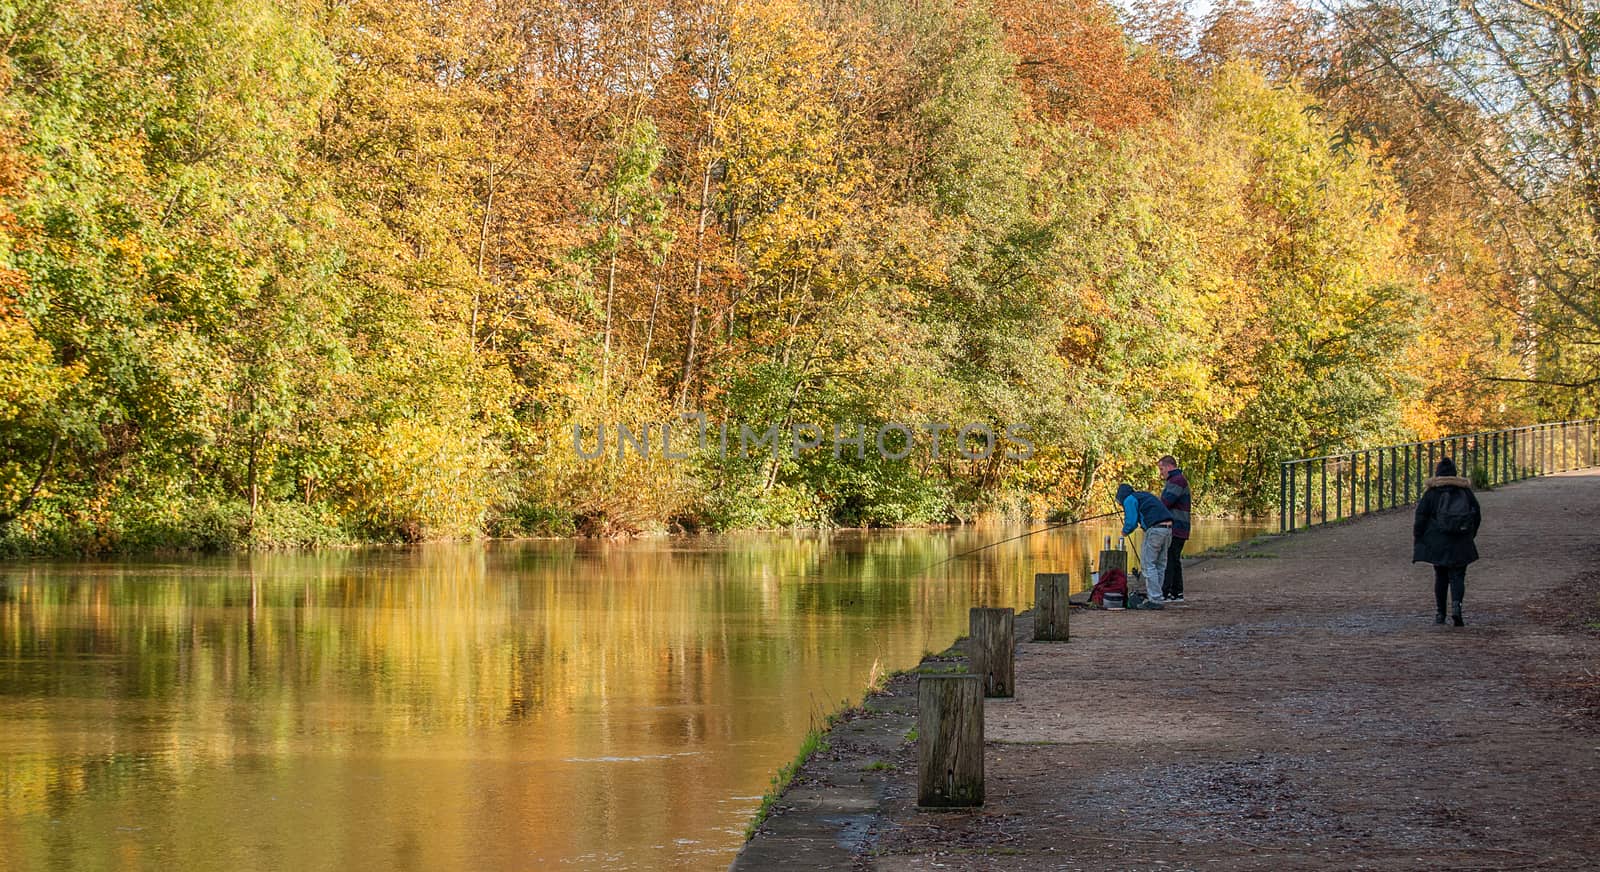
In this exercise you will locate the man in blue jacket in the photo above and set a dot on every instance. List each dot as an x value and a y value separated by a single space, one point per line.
1142 509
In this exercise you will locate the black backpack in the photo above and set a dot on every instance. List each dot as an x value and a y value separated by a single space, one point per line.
1454 514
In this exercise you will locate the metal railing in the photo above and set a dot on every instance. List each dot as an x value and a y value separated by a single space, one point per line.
1316 490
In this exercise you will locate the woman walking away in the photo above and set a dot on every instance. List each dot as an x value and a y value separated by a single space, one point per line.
1447 520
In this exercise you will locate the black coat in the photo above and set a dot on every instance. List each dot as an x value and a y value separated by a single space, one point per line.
1433 545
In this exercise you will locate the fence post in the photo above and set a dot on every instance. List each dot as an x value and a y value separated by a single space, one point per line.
1338 487
1394 471
1323 463
1381 479
1366 482
1353 469
1294 489
1283 498
949 740
1308 493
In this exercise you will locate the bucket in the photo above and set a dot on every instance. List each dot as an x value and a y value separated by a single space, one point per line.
1114 601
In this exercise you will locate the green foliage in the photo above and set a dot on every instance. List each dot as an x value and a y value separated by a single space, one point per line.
283 273
1481 477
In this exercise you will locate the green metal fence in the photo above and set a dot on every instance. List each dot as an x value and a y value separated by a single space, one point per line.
1315 490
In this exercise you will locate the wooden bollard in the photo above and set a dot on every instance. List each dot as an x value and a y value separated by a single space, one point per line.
1051 606
994 639
1110 560
949 740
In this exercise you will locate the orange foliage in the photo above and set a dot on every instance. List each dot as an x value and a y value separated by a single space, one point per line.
1075 62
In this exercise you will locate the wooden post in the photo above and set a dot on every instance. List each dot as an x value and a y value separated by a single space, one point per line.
1110 560
1050 606
994 639
949 740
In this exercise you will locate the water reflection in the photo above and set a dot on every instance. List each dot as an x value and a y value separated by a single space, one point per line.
509 706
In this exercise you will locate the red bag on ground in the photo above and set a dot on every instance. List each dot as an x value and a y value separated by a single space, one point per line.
1111 581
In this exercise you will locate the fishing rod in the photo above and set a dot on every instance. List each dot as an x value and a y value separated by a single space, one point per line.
1045 529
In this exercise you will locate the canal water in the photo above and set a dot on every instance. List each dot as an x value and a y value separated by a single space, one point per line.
501 706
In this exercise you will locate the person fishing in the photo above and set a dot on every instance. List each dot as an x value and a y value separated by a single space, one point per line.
1175 496
1442 534
1142 509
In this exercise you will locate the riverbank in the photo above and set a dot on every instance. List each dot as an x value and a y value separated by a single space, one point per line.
186 529
1302 712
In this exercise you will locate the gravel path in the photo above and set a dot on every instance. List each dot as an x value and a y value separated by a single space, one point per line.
1302 712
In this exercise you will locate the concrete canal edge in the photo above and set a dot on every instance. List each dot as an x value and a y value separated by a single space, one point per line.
830 813
1302 712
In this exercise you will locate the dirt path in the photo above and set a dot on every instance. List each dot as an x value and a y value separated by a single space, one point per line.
1302 712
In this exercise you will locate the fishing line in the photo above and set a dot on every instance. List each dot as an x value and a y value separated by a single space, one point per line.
1046 529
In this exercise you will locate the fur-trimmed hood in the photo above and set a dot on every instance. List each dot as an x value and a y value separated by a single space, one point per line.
1447 481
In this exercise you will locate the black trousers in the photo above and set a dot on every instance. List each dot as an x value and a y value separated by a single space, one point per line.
1452 577
1172 584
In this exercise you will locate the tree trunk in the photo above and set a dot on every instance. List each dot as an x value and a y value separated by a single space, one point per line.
687 373
251 483
650 326
483 245
38 482
611 289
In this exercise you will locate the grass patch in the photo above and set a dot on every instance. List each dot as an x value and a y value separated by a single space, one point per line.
876 766
813 743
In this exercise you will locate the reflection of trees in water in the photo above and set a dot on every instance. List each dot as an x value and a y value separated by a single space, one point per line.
640 648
